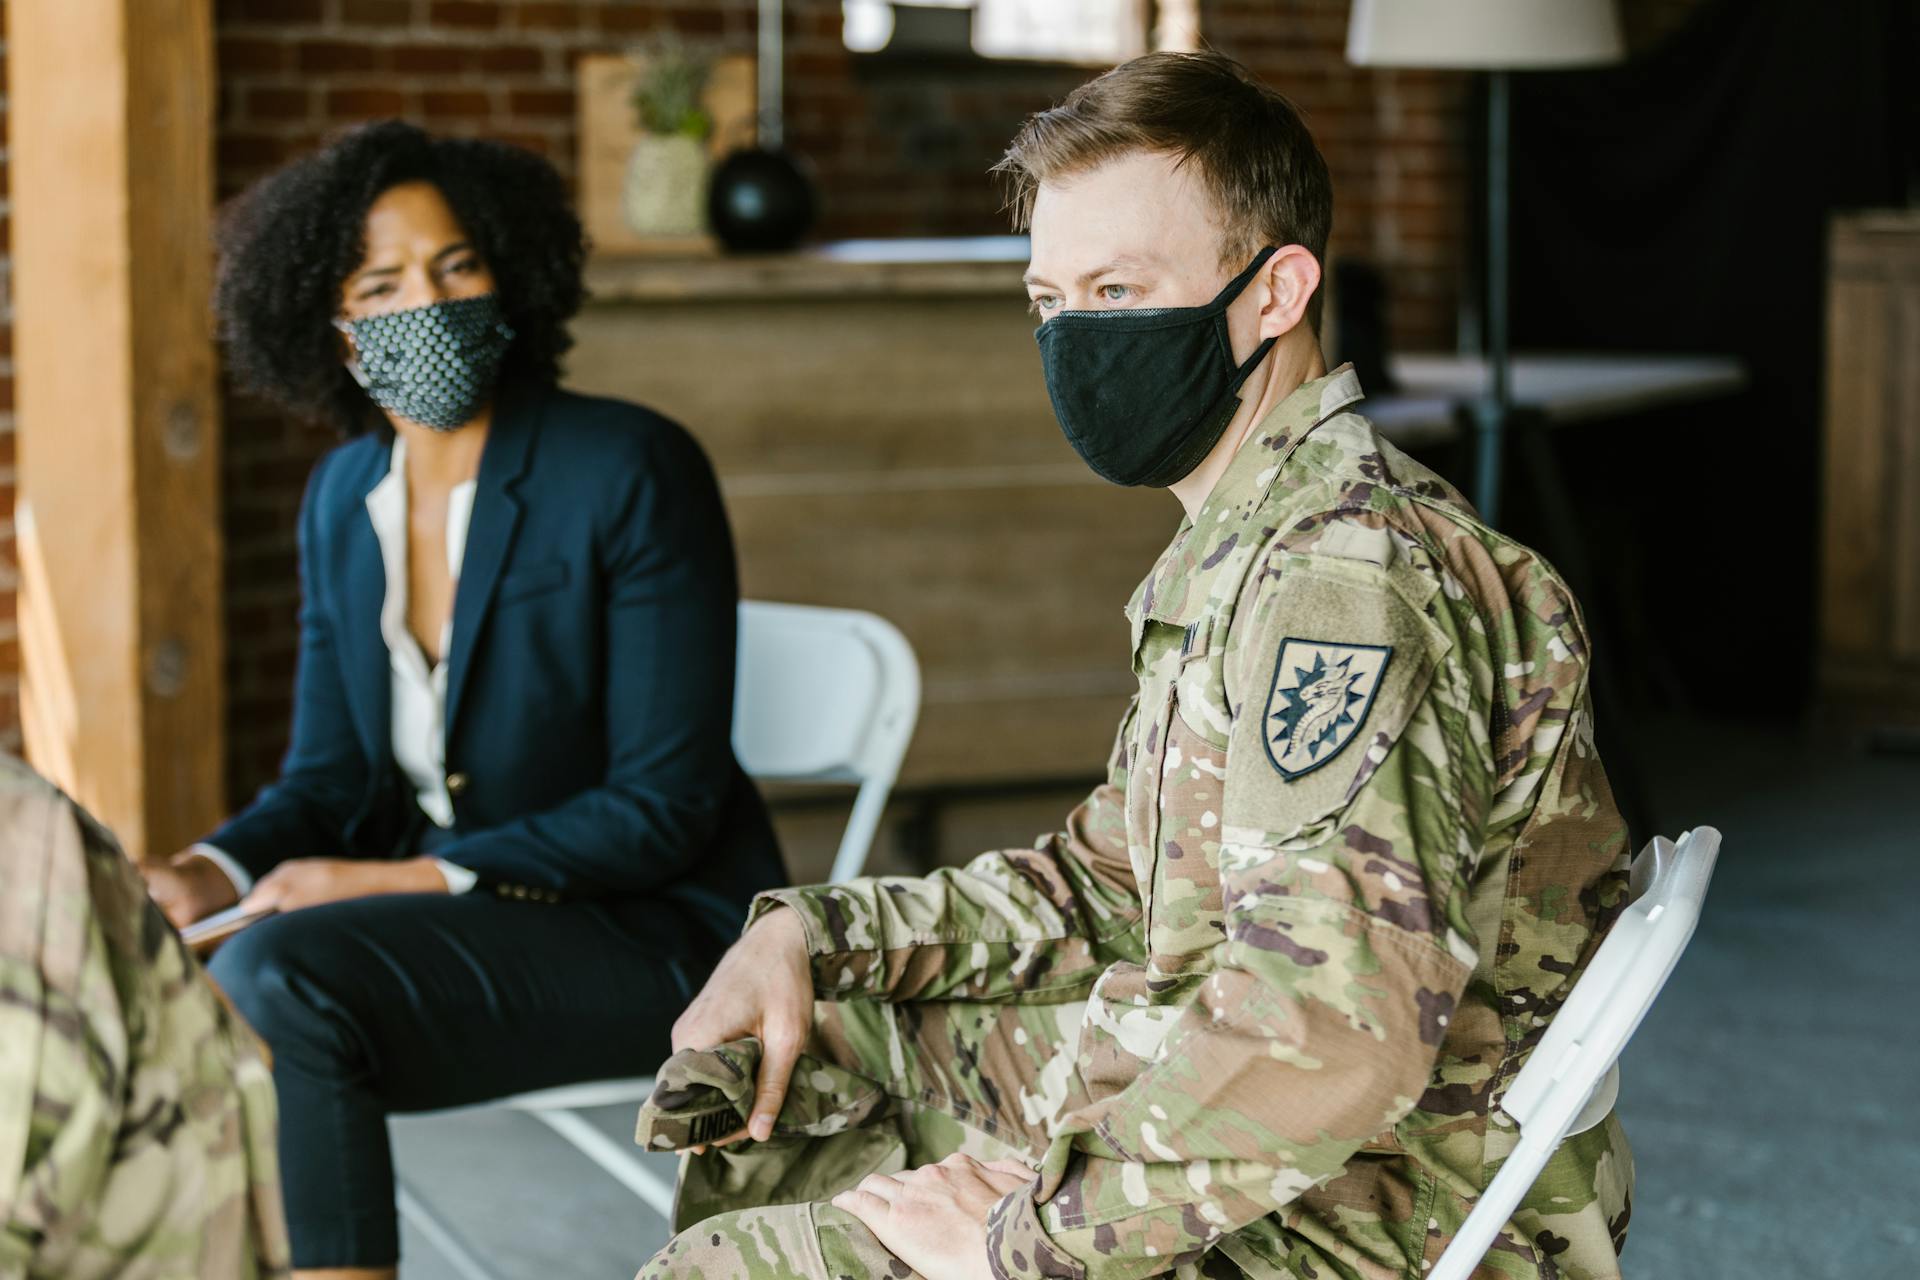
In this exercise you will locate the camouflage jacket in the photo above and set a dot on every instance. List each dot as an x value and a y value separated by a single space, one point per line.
1355 847
136 1110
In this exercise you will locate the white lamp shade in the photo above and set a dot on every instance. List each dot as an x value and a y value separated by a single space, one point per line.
1483 34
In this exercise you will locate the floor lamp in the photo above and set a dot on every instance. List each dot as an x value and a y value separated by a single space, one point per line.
1498 37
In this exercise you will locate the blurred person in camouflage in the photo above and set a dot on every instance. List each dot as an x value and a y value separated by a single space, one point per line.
136 1110
1253 1010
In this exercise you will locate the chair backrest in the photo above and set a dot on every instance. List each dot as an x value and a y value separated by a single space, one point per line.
1574 1062
826 695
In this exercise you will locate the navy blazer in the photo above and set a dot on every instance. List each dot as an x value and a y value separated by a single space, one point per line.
589 686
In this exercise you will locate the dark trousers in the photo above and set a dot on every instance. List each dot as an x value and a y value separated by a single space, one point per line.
416 1002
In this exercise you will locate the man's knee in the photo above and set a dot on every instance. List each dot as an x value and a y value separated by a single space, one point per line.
751 1244
780 1242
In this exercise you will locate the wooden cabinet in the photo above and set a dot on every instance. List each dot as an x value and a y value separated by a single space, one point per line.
1870 557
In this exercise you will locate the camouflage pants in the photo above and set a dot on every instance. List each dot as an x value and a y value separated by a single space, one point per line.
883 1087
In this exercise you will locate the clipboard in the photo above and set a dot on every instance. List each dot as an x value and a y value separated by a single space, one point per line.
205 935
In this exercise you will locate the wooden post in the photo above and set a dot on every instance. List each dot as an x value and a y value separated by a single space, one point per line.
111 121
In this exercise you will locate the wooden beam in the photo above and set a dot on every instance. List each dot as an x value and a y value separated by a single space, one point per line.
111 124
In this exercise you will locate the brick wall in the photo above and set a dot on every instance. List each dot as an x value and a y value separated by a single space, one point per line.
894 148
1395 142
899 149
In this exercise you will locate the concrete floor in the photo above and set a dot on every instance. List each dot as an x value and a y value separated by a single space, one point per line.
1771 1095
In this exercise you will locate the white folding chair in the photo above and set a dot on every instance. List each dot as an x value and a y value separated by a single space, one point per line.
1570 1083
824 696
819 696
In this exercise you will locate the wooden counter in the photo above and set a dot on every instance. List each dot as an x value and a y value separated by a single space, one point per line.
878 419
981 267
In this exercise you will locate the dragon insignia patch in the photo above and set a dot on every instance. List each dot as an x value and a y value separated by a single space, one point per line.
1320 697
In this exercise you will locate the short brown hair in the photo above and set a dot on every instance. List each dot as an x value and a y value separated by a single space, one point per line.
1247 143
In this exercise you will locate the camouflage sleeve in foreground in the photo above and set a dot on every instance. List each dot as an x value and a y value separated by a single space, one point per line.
136 1112
1022 924
1343 954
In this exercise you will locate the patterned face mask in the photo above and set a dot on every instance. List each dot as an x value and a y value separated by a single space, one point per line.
434 365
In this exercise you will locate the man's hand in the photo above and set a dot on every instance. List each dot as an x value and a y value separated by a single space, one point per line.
188 887
309 882
934 1218
762 987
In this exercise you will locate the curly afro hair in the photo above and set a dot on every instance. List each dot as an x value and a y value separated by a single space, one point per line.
288 243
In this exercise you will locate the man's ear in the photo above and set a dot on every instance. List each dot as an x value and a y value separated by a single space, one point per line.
1291 275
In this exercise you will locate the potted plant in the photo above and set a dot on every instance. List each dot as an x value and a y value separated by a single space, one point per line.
666 184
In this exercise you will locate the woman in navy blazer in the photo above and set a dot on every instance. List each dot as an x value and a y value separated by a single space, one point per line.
509 837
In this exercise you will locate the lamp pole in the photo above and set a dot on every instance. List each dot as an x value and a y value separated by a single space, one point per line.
772 41
1495 408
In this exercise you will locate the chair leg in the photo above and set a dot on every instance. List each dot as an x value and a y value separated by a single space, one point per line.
429 1224
856 843
620 1162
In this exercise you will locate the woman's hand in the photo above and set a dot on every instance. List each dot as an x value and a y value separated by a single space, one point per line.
762 987
934 1218
309 882
188 887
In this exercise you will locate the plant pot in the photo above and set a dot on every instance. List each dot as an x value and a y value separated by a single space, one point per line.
666 190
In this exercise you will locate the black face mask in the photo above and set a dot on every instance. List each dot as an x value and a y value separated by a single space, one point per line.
1143 395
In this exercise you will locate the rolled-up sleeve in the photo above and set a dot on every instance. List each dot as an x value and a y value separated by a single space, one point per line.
1033 925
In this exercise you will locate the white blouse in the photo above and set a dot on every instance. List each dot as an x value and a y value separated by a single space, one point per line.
418 693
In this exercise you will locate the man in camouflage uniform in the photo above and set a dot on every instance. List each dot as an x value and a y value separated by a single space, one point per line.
136 1113
1253 1011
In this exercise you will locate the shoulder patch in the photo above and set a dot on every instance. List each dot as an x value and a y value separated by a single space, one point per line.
1318 699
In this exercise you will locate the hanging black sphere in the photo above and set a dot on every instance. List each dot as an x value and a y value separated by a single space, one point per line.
759 201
